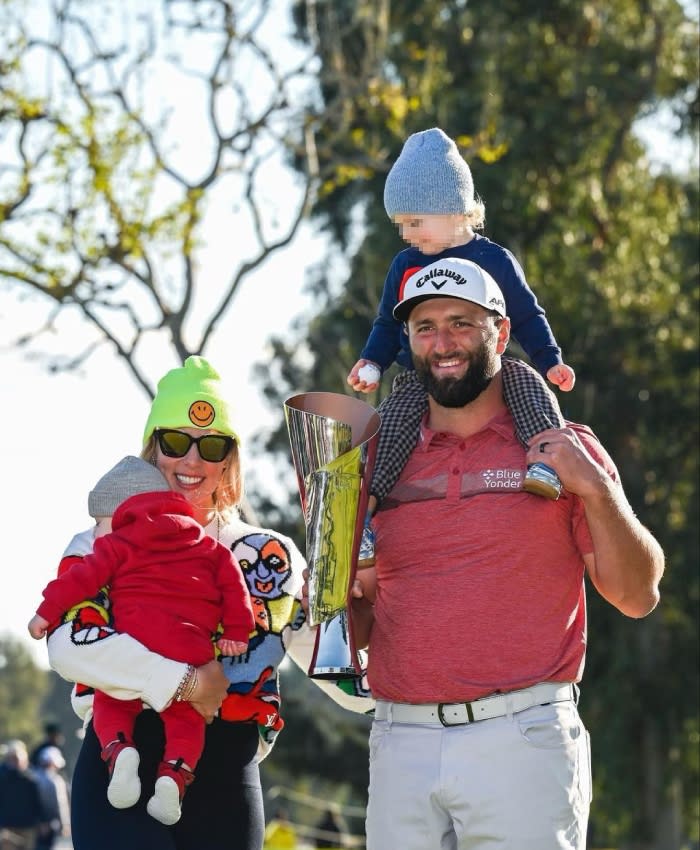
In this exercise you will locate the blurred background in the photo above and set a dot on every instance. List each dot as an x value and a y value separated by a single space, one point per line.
206 176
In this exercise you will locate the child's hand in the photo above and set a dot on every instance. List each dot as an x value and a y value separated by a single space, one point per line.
232 647
37 627
364 383
562 376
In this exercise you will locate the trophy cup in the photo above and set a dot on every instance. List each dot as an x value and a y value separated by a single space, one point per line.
333 439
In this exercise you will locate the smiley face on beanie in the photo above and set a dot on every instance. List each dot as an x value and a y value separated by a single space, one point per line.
201 414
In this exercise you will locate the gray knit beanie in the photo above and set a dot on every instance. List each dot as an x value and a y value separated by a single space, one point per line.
130 476
430 177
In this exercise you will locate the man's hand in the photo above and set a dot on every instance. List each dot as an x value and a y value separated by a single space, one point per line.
563 451
364 585
305 592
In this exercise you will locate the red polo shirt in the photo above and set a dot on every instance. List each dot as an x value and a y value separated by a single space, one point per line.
480 585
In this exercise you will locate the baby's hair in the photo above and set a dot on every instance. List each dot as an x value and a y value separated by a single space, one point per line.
476 217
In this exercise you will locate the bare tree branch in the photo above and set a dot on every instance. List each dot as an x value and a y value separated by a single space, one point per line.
104 200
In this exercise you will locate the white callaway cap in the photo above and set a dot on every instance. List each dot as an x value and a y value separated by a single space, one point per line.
454 278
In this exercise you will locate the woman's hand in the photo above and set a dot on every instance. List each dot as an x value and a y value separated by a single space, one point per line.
210 690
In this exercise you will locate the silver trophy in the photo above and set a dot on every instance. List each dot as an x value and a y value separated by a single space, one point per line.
333 439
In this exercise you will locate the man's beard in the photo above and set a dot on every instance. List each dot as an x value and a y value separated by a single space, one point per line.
458 392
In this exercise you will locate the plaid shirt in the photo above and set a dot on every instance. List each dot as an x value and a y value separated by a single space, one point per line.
532 404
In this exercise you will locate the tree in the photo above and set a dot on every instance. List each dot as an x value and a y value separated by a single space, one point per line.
544 102
105 210
22 686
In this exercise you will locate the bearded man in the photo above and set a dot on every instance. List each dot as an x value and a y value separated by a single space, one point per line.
474 613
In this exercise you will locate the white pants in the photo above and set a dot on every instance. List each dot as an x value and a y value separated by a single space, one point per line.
512 783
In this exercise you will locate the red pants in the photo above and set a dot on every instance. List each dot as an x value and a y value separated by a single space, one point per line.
184 727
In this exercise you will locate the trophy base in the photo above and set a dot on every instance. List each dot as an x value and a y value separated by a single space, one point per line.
334 656
542 480
335 673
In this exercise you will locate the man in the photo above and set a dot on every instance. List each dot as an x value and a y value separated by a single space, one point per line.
53 737
477 633
54 796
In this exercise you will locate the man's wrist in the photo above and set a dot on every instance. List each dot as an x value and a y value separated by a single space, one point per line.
602 493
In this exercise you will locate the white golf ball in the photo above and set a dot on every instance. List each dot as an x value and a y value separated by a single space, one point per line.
369 373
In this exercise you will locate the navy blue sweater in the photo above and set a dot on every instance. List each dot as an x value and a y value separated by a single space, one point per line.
388 341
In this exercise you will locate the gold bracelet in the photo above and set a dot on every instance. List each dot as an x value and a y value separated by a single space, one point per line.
187 696
184 683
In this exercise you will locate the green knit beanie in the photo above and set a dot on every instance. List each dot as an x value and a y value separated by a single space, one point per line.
190 396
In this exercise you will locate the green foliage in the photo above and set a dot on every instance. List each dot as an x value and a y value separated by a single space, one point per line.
22 687
56 708
331 750
322 754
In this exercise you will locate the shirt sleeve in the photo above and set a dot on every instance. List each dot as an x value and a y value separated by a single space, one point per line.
384 341
80 581
86 649
528 320
237 616
117 664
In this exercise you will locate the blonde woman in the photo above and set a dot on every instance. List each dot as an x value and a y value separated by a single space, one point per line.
190 437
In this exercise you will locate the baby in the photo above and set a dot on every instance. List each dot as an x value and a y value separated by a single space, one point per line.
171 586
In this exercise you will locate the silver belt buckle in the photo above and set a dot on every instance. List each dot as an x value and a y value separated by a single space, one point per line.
467 709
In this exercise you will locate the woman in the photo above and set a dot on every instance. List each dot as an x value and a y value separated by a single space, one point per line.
189 437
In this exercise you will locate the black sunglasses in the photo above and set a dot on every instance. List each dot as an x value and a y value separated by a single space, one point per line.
211 447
